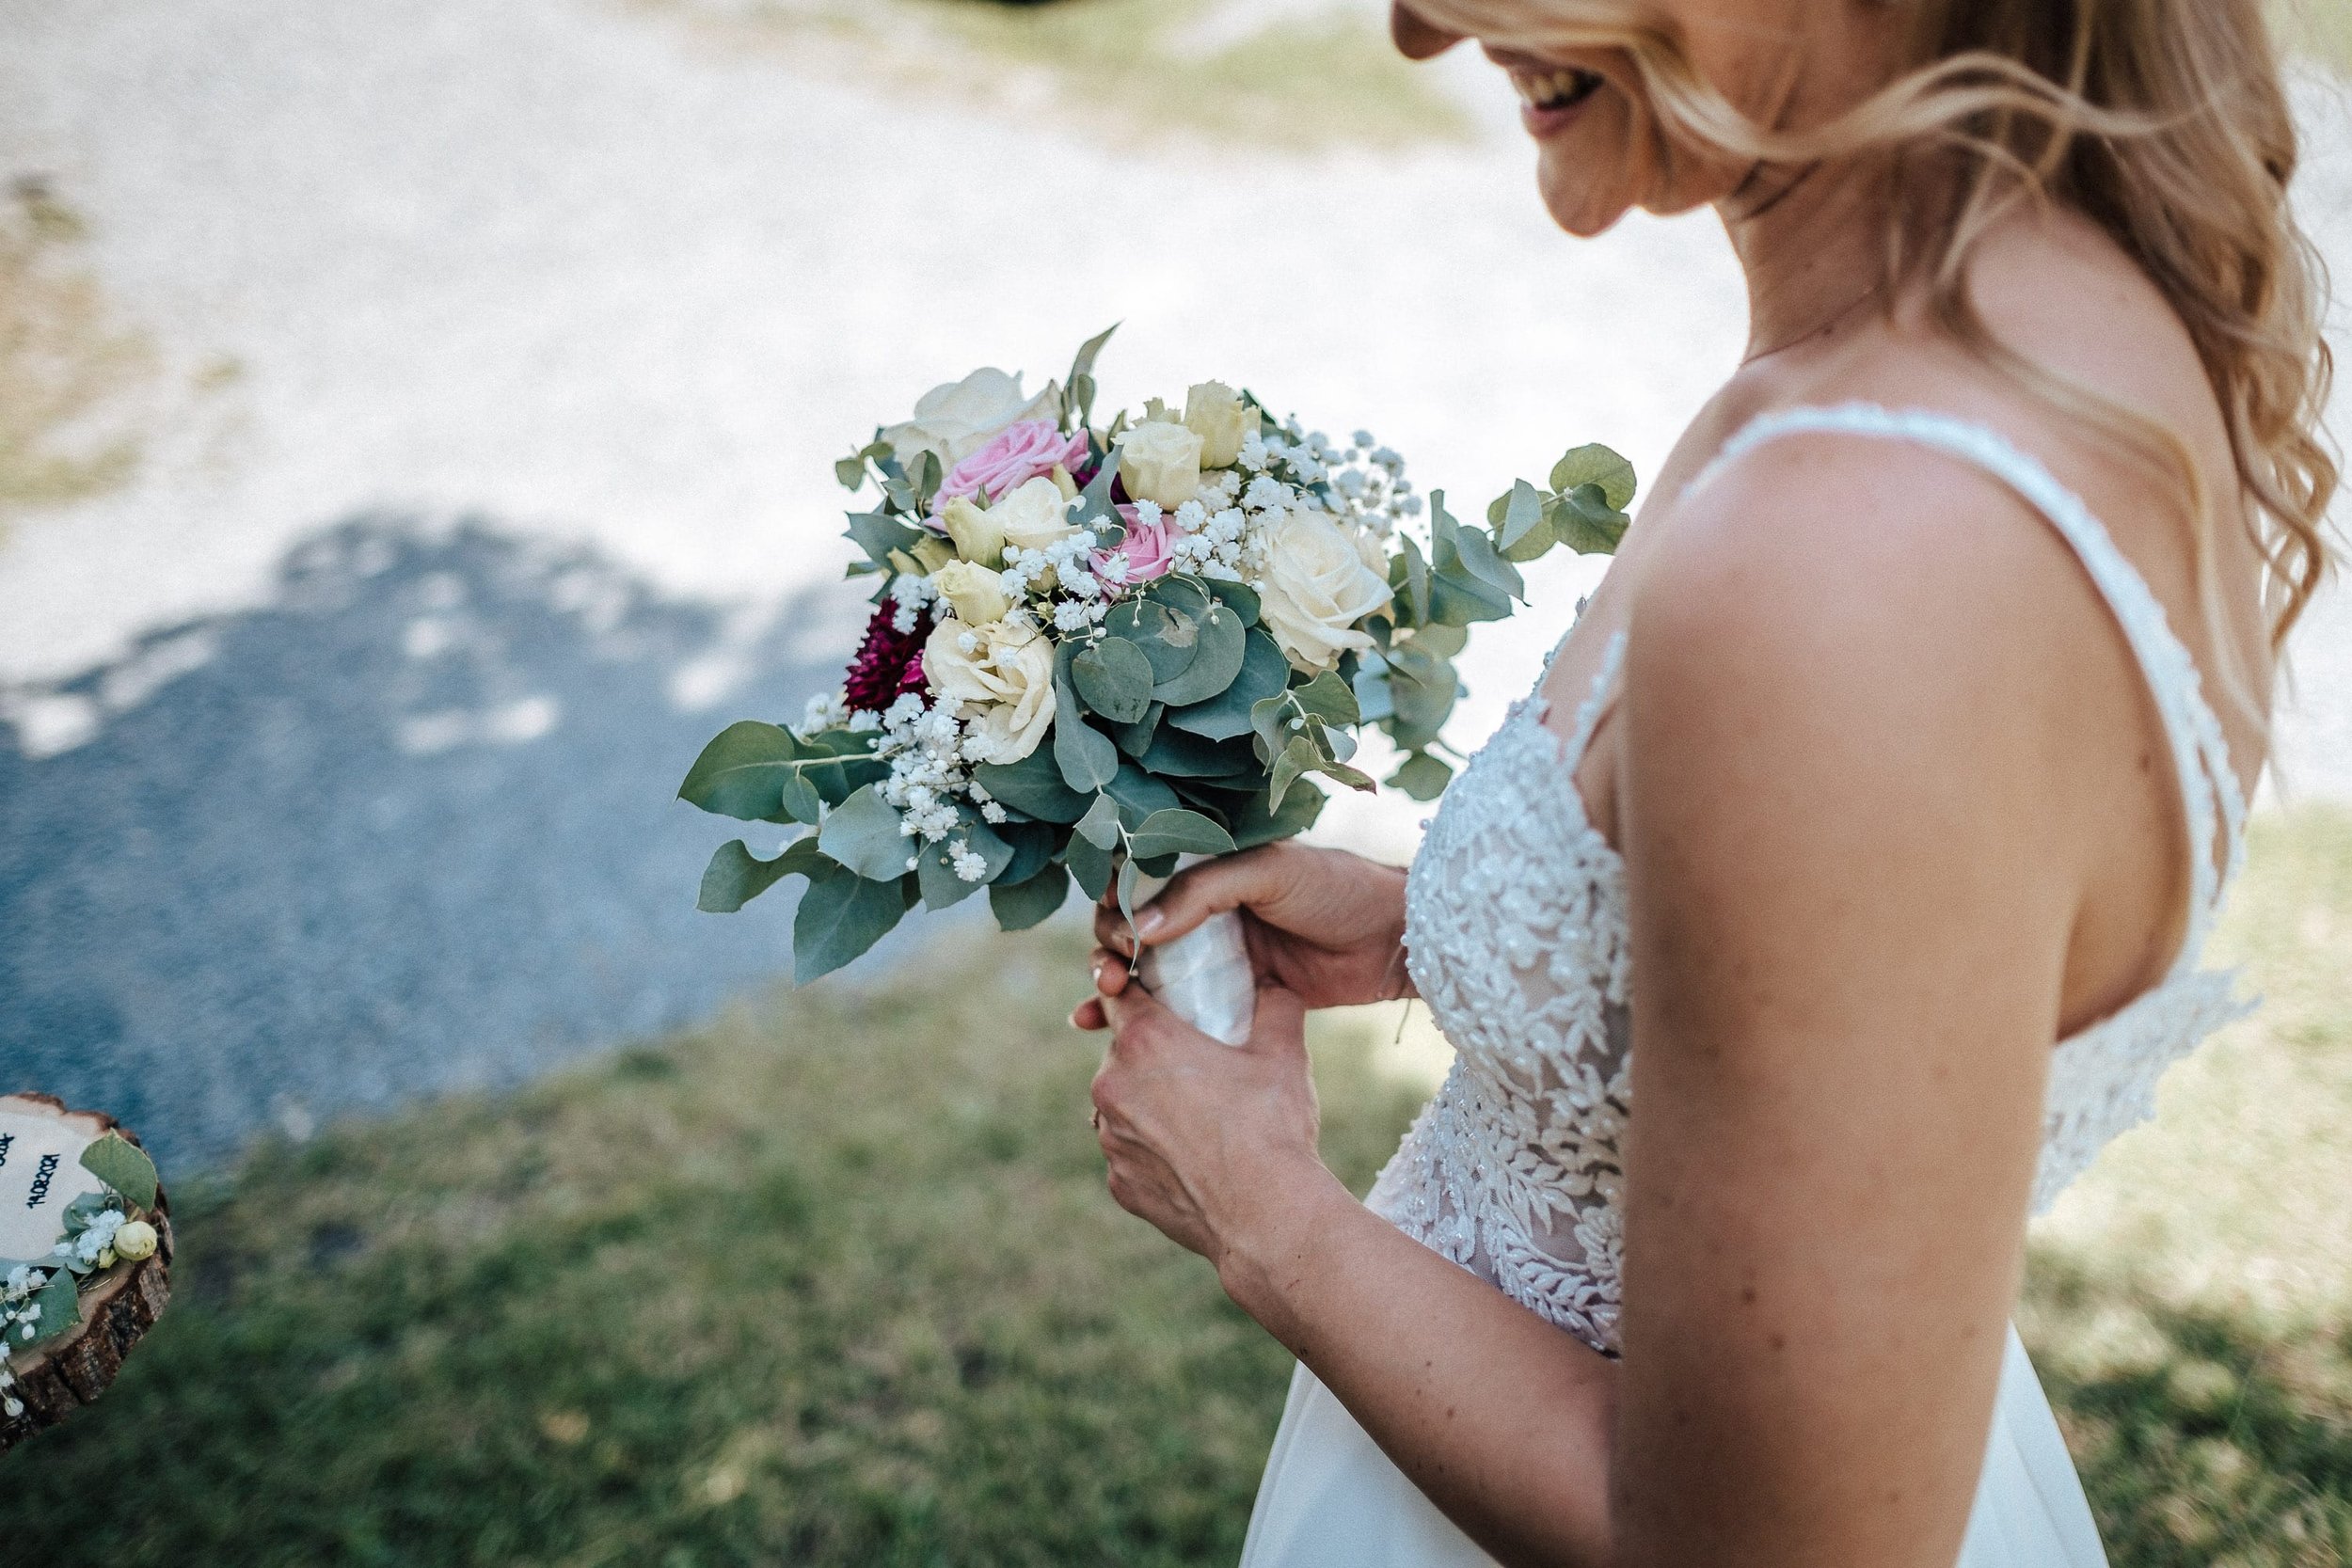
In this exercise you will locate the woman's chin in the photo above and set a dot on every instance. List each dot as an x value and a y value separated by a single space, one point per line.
1576 202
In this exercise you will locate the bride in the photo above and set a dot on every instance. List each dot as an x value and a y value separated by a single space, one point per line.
1865 833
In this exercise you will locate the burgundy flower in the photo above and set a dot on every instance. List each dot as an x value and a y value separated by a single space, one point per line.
889 663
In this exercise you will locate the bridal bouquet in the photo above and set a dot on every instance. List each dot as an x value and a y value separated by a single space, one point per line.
1097 647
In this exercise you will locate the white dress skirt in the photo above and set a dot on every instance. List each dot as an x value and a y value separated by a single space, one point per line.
1332 1499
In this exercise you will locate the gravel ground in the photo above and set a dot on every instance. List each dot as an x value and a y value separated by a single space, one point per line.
618 283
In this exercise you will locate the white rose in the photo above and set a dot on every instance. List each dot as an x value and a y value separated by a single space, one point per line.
1314 591
1160 462
955 421
978 533
1215 413
1035 515
976 592
1004 687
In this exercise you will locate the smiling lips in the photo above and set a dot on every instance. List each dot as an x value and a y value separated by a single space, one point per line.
1549 97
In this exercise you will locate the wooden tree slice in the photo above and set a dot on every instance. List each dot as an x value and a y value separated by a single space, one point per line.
117 1310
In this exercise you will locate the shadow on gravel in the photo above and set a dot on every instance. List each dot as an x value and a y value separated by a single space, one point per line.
409 828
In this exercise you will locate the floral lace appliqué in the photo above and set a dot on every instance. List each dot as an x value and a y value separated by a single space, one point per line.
1516 937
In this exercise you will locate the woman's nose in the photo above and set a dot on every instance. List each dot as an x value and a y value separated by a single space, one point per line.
1417 40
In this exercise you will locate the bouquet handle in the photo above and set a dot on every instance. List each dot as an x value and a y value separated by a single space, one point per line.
1204 977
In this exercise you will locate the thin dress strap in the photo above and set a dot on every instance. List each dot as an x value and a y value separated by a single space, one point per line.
2201 756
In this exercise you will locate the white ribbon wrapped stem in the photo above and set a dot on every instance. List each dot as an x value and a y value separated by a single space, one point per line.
1204 975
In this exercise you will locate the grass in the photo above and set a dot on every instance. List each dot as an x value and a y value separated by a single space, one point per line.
67 370
833 1281
1128 68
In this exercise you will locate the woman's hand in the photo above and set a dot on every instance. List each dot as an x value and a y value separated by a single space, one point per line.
1323 924
1213 1144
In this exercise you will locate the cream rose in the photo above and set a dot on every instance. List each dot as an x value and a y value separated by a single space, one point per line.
1159 460
1215 413
973 591
1035 515
980 535
1314 591
953 422
1004 687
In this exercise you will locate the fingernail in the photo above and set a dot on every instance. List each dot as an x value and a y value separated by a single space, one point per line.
1149 920
1096 971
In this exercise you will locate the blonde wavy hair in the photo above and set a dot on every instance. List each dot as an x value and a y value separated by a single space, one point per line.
2165 122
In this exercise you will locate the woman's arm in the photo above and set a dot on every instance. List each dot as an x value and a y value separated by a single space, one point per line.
1854 805
1501 1418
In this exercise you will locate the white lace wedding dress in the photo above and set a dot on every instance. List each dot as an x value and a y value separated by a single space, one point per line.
1516 934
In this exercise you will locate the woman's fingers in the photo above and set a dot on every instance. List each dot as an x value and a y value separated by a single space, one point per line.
1252 878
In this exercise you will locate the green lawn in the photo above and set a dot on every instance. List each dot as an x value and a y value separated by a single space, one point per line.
833 1281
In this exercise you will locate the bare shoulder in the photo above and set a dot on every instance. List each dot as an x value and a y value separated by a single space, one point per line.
1859 631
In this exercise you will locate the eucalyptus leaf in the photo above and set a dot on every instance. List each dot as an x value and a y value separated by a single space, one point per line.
1021 905
1089 865
1523 513
1115 678
1596 464
1100 826
1586 523
841 916
741 773
1264 672
1409 580
1167 639
1371 687
1178 754
1135 738
124 1166
1033 785
1178 832
1222 645
862 833
1422 776
1082 370
1259 822
734 876
60 1305
851 471
1329 698
1477 555
1130 877
799 798
1457 600
936 871
1139 795
1086 756
1094 503
1299 755
878 536
1239 598
1033 847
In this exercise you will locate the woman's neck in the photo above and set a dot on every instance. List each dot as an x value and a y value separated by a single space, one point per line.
1810 242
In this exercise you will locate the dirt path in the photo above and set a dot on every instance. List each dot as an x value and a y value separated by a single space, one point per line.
585 271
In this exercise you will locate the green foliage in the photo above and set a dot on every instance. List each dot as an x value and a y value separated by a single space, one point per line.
864 833
734 876
124 1166
841 916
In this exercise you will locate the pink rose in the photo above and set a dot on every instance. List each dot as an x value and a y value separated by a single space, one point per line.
1022 450
1146 552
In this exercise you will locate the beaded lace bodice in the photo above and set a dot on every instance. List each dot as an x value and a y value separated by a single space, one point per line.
1516 937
